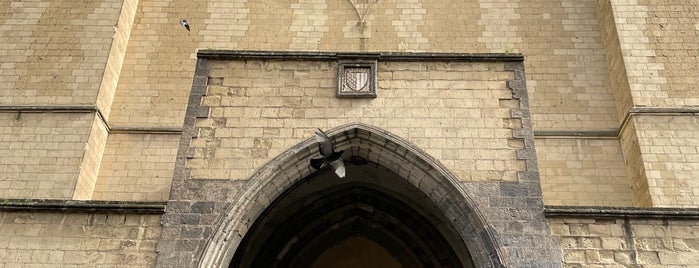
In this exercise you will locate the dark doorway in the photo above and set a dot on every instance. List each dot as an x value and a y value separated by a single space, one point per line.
372 218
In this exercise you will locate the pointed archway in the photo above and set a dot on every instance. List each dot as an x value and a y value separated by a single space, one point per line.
443 208
371 207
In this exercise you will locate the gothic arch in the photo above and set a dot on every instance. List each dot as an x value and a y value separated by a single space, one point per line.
378 146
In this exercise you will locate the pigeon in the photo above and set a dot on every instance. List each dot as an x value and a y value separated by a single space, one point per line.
329 156
184 24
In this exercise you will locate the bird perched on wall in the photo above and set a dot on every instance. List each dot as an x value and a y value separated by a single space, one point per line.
184 24
329 156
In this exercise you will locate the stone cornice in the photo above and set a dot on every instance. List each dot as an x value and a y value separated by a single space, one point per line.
146 130
48 108
621 212
581 133
380 56
664 110
614 133
81 206
38 108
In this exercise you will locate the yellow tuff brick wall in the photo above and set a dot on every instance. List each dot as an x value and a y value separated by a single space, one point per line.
566 66
567 74
60 53
565 61
89 168
137 167
633 161
54 52
41 153
63 52
36 239
460 116
670 150
159 64
659 43
615 59
653 55
583 172
117 52
630 243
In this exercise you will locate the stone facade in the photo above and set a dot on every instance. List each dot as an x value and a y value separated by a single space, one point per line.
42 153
457 112
31 239
583 172
631 238
137 167
485 210
55 233
97 103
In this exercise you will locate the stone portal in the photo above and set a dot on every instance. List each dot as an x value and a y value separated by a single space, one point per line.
441 164
371 217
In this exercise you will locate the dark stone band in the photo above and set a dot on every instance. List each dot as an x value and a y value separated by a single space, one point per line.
383 56
81 206
621 213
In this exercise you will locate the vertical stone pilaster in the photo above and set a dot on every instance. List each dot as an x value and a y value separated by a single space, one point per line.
92 158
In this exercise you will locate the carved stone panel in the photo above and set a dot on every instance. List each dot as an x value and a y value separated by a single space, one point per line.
356 79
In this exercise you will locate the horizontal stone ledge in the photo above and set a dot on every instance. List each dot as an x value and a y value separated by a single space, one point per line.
574 133
146 130
664 110
621 212
382 56
81 206
48 108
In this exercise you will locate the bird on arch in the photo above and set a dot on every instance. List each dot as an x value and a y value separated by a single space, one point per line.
329 156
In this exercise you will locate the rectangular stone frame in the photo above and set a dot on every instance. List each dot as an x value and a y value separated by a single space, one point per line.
369 66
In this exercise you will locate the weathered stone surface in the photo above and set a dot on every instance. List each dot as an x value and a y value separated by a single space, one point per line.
93 95
43 239
627 239
508 229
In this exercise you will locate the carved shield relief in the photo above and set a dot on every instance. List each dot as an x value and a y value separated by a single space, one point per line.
357 79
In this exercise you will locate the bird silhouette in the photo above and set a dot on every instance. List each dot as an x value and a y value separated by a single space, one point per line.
184 24
329 156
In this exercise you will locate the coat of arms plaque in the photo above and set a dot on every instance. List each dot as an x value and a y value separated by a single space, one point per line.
357 79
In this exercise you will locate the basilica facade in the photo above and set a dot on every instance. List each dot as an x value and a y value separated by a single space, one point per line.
476 133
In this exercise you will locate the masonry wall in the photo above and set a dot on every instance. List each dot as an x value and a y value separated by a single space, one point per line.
658 44
65 58
635 169
627 242
137 167
459 113
670 151
653 53
41 153
566 66
54 52
619 80
55 56
92 159
46 239
568 45
152 59
211 210
583 172
117 51
611 85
